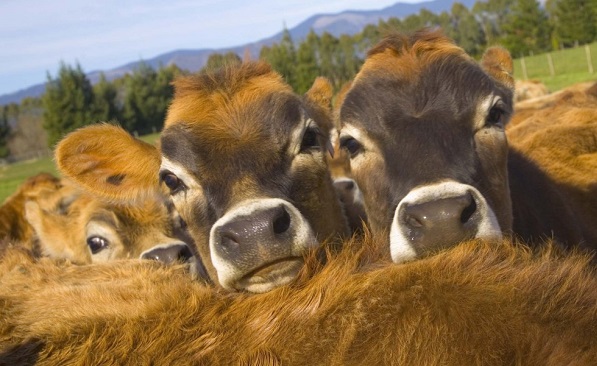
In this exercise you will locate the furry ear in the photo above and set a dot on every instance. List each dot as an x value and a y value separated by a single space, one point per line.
321 93
105 160
497 62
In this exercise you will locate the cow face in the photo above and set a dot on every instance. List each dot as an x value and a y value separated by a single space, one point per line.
424 127
243 160
78 226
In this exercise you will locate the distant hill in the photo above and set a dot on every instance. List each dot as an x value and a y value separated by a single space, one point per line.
347 22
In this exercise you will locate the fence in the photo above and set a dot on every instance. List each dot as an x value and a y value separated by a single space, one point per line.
568 65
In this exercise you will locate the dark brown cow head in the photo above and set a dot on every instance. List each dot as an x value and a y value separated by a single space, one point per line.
424 126
243 160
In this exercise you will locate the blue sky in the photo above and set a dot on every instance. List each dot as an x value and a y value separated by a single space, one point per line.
35 35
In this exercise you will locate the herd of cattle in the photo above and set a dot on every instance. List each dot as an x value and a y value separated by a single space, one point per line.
422 216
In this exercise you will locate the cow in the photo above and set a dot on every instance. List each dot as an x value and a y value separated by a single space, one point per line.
13 225
478 303
574 105
242 158
72 224
529 89
578 95
348 191
424 126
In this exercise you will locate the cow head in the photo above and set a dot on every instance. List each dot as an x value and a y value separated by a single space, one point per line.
76 225
424 127
243 160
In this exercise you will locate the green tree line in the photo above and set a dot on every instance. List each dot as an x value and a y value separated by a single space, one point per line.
139 100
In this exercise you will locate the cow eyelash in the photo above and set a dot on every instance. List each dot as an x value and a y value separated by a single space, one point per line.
172 182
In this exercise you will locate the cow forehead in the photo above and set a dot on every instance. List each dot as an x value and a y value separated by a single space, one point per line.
408 88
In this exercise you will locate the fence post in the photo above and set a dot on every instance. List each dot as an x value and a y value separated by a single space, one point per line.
552 71
589 60
524 68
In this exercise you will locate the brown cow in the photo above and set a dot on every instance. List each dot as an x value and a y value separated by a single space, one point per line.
575 105
474 304
13 225
577 95
529 89
243 160
424 125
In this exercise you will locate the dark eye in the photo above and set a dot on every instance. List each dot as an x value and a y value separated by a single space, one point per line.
172 182
310 139
495 116
351 145
97 244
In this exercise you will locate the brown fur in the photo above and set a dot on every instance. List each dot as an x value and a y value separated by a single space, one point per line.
529 89
538 109
475 304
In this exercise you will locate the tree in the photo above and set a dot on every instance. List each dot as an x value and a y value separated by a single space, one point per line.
146 98
575 22
218 60
105 101
67 102
526 28
282 57
465 30
4 131
491 15
307 68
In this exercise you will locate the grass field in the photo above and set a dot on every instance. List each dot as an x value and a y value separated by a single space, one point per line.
11 176
570 66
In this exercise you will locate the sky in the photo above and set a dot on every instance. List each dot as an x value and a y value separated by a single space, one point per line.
36 35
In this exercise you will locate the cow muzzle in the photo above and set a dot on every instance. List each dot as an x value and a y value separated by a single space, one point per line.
433 217
259 244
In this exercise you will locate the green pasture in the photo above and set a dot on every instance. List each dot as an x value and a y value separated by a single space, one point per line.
11 176
569 66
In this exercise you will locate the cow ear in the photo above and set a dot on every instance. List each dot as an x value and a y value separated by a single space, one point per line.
497 62
321 93
106 161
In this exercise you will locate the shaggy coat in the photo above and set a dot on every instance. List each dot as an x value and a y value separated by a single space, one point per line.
477 303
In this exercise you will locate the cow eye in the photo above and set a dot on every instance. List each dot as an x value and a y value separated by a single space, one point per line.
310 139
495 116
97 244
171 181
351 145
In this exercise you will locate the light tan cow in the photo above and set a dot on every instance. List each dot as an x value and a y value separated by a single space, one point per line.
73 224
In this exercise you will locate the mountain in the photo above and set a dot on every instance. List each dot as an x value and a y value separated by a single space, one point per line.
347 22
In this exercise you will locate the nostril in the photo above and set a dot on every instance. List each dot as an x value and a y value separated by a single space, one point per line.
169 254
468 211
229 242
413 221
184 254
349 185
282 222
